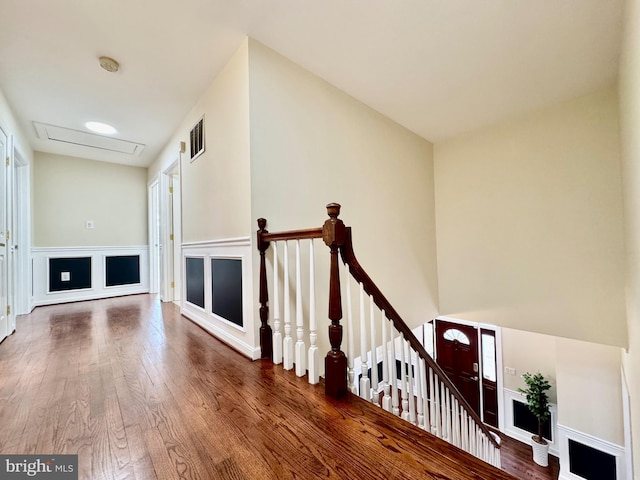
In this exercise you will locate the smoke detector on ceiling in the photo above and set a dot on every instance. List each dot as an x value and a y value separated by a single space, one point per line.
109 64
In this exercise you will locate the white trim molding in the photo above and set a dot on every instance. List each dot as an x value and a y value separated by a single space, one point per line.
522 435
244 339
41 255
566 433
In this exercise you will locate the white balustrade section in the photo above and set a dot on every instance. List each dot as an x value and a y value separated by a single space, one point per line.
414 391
301 348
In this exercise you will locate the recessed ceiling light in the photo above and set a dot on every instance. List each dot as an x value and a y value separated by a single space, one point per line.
99 127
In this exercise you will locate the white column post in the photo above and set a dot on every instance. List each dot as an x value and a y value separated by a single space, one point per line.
365 385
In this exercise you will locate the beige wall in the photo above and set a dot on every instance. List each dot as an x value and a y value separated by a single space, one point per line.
585 379
529 222
215 187
529 352
590 389
312 144
630 126
68 191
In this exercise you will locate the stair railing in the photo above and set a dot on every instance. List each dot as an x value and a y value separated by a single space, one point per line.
396 372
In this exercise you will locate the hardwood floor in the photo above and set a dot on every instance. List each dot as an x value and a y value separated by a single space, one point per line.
139 392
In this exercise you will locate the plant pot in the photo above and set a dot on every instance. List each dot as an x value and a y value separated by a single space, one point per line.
540 452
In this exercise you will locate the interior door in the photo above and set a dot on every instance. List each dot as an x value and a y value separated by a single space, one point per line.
457 354
4 320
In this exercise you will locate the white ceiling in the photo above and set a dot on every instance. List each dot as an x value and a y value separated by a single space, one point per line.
438 67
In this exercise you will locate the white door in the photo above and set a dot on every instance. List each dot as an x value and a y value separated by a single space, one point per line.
4 321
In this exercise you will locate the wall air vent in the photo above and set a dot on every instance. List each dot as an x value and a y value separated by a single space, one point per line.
56 133
196 138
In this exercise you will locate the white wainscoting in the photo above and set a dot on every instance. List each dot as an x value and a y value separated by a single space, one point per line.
43 296
522 435
565 434
244 339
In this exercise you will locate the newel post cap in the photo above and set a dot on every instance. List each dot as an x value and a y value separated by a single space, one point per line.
333 230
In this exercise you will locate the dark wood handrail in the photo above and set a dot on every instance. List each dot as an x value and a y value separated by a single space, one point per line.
293 235
355 269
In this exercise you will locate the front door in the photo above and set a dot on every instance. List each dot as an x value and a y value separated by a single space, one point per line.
457 354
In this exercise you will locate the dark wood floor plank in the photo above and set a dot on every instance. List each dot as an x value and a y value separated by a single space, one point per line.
139 392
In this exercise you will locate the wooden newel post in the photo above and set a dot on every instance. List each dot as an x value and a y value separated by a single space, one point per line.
335 363
266 338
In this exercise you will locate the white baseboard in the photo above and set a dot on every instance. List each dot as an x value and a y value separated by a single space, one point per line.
566 433
205 320
40 261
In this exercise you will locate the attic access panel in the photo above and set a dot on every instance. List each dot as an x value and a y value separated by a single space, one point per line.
59 134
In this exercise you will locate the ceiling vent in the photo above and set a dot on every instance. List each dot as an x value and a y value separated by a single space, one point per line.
55 133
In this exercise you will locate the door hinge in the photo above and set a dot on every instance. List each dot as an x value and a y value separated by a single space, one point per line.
8 161
170 189
8 235
173 285
171 237
8 309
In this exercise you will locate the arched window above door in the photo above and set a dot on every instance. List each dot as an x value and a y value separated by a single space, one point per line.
455 334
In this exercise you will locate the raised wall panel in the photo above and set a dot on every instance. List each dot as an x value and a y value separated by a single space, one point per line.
226 289
224 276
87 272
71 273
194 268
122 270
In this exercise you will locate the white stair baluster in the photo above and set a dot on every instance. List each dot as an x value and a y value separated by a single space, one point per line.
403 379
395 408
410 378
437 416
465 430
447 399
287 347
365 385
314 354
386 399
351 385
375 395
433 396
455 422
420 390
277 335
301 348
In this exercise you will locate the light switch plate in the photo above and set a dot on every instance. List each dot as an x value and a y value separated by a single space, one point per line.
89 224
510 371
65 276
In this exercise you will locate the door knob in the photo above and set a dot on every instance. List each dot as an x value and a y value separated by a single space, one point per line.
475 379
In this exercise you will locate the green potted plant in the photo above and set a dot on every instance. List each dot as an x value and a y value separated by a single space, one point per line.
538 403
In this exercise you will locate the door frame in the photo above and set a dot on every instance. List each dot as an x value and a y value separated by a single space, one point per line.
20 226
155 246
171 223
499 368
